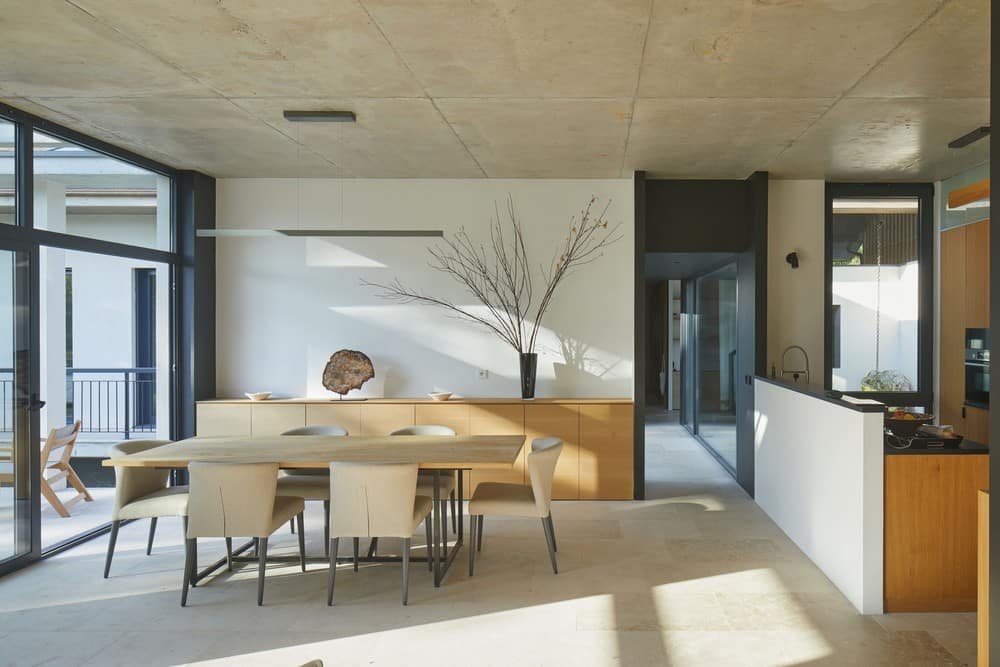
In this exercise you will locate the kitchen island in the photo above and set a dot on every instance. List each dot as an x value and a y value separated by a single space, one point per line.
930 527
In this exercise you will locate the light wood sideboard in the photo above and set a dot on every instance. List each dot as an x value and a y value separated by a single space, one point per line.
596 462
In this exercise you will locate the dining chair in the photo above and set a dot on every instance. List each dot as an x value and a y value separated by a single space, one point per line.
425 478
375 500
237 500
501 499
310 483
142 493
63 438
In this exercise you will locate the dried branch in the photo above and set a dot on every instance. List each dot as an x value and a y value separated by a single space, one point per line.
500 277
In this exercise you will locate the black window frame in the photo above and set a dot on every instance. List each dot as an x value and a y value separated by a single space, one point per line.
23 234
924 194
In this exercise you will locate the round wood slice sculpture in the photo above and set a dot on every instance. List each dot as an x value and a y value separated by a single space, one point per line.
347 370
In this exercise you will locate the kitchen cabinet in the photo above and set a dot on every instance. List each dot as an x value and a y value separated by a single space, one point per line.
931 530
965 297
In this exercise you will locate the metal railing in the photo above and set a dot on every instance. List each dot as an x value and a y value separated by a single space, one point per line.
105 400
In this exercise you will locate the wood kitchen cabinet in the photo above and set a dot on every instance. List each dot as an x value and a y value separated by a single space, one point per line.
965 298
931 530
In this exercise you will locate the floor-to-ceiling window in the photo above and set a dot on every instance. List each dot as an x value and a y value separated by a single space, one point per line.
86 262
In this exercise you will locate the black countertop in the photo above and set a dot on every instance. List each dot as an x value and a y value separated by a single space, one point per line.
965 447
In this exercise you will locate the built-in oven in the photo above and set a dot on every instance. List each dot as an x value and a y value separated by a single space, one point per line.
977 367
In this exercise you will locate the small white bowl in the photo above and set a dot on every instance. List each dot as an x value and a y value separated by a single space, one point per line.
440 395
259 396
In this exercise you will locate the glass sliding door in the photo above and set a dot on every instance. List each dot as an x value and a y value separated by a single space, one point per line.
18 404
715 354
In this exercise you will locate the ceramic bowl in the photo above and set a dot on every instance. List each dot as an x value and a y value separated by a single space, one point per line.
259 396
440 395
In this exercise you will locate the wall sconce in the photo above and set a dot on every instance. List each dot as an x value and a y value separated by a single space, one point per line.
793 259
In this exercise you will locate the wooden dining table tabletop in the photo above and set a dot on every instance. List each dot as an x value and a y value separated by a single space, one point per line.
430 452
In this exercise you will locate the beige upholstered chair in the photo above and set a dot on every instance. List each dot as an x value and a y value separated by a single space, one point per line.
425 479
142 493
499 499
375 500
310 483
237 500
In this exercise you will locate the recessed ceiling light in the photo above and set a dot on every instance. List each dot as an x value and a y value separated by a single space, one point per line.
329 116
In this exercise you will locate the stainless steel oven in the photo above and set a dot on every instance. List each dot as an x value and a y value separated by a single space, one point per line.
977 367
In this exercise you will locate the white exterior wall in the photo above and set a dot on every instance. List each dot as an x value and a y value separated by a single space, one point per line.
854 290
285 304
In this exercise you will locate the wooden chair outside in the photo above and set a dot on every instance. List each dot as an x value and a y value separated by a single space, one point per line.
65 439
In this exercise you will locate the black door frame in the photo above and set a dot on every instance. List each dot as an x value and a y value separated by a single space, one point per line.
24 236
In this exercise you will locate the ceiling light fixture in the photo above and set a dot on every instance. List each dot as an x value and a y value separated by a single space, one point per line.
971 137
320 116
330 116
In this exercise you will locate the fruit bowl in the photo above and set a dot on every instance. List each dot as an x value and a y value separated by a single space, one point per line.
905 424
440 395
258 396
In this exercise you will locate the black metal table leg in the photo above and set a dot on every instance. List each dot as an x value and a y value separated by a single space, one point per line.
436 510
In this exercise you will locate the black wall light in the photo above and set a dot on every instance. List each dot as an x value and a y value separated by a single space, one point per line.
320 116
971 137
793 259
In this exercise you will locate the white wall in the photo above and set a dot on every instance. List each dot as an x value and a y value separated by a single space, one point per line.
285 304
795 297
818 475
854 290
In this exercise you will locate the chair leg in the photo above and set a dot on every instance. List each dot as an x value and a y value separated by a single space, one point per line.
261 567
454 514
189 568
302 541
111 547
480 520
229 554
406 568
194 570
77 483
372 547
326 527
332 571
472 546
152 532
552 532
430 545
291 525
357 543
551 544
50 495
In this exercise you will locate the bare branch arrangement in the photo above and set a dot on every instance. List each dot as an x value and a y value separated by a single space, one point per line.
500 276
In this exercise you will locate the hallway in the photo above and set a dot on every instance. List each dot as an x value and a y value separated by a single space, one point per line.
749 580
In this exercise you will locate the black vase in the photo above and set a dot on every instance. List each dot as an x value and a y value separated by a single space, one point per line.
529 364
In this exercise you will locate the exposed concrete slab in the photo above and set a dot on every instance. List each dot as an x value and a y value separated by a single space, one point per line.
507 48
771 48
670 137
211 134
459 88
948 56
265 48
392 138
51 48
541 138
899 139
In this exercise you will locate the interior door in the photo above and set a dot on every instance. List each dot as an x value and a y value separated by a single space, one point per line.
19 405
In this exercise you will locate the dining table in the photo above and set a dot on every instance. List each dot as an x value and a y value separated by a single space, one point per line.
437 454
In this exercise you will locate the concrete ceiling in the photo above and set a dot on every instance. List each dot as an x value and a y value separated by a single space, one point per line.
836 89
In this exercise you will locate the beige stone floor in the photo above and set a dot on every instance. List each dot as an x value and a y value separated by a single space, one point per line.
696 576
